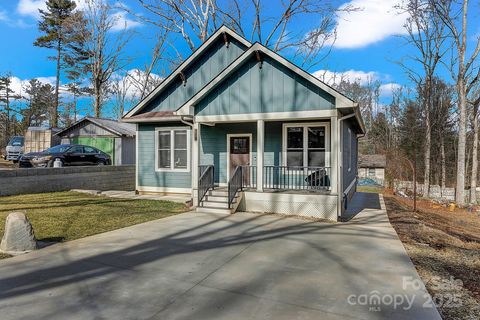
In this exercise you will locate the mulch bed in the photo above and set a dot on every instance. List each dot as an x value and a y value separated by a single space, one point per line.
445 248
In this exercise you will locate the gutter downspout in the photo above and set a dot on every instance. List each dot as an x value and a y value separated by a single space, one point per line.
186 122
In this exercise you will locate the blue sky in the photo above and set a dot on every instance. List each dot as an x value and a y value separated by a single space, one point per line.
368 43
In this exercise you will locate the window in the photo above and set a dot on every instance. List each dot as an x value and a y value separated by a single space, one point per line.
371 172
172 149
305 145
76 149
90 150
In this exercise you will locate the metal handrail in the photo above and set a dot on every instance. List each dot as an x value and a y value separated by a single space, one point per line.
206 180
297 178
234 184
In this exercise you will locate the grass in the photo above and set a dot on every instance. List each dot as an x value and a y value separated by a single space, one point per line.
64 216
370 189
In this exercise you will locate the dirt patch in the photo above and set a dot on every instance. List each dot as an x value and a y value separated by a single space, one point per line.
4 164
445 248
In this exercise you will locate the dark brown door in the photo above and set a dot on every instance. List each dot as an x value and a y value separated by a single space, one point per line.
240 156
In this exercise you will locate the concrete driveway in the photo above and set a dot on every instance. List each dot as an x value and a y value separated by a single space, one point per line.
204 266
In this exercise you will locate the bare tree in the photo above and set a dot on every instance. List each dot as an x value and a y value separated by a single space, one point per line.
474 174
195 20
145 80
426 33
462 67
104 47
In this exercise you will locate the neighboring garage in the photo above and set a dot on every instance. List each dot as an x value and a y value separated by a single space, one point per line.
112 137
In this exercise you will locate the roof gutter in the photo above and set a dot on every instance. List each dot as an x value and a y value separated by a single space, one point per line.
182 120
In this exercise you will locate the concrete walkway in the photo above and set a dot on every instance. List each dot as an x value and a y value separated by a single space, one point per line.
204 266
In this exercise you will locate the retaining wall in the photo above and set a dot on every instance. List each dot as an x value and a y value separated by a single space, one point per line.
38 180
436 192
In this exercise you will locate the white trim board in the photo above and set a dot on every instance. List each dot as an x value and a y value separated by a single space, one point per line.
273 116
172 148
164 189
250 157
305 141
182 66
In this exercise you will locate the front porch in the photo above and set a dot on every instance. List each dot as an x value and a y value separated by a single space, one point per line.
274 166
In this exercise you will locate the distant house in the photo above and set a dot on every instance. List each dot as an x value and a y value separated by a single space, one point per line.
240 127
112 137
372 166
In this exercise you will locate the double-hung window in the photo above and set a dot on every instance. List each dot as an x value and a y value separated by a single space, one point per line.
172 149
306 145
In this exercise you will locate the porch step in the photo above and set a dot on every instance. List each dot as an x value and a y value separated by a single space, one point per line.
214 210
217 198
214 204
216 201
218 193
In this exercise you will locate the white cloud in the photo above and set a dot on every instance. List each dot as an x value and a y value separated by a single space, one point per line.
387 89
132 78
18 85
31 7
331 78
121 21
375 20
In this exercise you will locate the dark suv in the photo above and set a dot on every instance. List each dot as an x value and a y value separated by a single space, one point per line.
71 155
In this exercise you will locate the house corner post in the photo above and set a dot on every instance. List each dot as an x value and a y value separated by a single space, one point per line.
335 162
260 151
195 161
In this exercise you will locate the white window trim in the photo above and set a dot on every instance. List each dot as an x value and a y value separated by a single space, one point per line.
350 153
305 141
172 148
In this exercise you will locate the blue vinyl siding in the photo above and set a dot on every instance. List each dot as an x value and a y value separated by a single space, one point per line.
272 155
213 146
348 176
273 88
147 176
198 74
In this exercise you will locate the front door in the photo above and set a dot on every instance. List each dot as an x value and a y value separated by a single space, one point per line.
240 155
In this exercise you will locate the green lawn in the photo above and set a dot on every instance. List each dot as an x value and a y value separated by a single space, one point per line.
370 189
63 216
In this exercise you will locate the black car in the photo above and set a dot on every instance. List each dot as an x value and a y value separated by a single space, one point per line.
71 155
25 159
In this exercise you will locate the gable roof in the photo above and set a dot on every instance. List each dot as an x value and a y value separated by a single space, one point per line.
372 161
196 54
121 129
341 100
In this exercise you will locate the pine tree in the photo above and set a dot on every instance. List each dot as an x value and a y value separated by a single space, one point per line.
54 37
6 95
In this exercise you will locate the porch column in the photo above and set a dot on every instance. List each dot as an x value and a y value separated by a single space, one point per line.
335 163
195 161
260 149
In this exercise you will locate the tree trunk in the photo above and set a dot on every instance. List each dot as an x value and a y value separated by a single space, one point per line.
98 98
444 167
428 138
473 177
57 85
462 126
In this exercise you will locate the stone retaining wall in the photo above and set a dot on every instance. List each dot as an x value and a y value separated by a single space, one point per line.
38 180
436 192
